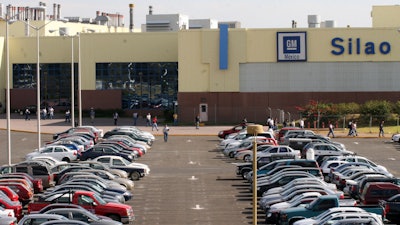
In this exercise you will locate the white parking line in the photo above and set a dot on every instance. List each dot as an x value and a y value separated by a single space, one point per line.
193 178
197 207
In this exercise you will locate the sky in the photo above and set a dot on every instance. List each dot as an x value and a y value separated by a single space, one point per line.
250 13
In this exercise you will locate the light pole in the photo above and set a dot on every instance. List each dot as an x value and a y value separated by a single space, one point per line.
72 75
37 29
8 106
289 116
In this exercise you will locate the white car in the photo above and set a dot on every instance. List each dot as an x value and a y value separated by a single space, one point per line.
396 137
237 137
119 161
356 158
6 212
301 181
327 213
58 152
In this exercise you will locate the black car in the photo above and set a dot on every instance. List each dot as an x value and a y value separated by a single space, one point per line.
99 150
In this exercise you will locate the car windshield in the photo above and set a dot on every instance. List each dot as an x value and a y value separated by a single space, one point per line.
99 199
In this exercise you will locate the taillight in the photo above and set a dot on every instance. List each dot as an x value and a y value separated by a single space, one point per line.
341 196
387 209
75 152
13 223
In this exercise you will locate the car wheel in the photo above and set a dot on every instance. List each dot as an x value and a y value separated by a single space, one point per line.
66 160
247 158
244 174
135 175
231 155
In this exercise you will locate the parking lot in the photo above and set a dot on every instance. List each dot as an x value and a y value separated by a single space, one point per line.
193 183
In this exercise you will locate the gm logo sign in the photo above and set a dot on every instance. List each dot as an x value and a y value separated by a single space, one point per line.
291 46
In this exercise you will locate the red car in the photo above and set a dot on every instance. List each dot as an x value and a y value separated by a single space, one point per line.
37 183
223 133
10 193
24 193
14 205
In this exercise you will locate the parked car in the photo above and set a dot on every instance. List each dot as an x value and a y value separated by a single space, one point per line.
64 222
59 152
83 215
324 149
25 194
223 133
8 220
97 151
272 214
135 170
392 208
32 219
36 169
37 182
375 191
9 193
357 158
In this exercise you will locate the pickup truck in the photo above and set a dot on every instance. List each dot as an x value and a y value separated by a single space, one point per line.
318 206
391 208
90 201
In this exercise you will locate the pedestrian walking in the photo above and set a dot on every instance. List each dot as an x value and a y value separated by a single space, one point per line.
51 112
154 125
175 117
44 113
92 115
67 116
301 123
135 116
381 131
353 129
27 113
350 127
197 121
165 131
115 116
148 120
331 128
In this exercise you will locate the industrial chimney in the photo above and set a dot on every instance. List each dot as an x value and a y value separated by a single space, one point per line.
150 10
131 6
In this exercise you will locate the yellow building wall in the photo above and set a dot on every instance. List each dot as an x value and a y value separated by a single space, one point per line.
197 52
199 61
385 16
126 47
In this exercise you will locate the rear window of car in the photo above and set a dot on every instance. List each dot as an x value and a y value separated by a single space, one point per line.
39 170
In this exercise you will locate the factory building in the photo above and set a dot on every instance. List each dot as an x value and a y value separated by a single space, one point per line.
221 72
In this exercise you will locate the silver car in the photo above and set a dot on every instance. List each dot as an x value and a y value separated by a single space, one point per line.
58 152
39 218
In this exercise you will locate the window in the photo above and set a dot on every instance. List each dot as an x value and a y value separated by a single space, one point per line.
39 170
143 85
104 160
55 81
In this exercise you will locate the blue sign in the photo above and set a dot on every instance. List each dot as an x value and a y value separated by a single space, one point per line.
291 46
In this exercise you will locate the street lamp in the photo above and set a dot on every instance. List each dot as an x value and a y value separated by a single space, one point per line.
37 29
72 75
8 107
